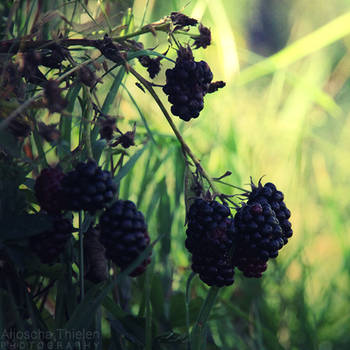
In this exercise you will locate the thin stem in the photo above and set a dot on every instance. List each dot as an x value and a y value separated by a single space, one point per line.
187 306
150 28
185 147
81 257
87 121
200 326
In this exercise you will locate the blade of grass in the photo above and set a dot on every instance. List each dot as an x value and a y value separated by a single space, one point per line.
149 132
65 125
187 306
198 330
129 165
320 38
113 91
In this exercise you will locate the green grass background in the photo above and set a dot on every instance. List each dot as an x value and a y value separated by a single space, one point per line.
286 117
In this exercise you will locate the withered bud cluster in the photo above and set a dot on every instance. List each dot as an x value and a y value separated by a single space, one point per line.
204 38
53 98
181 20
49 132
107 127
152 65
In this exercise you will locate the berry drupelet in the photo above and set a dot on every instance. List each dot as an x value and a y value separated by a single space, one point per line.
258 237
186 85
209 239
48 245
48 189
275 198
124 235
88 187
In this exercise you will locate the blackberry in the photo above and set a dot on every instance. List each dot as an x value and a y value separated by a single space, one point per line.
209 239
48 245
258 237
48 189
88 187
124 235
186 85
275 198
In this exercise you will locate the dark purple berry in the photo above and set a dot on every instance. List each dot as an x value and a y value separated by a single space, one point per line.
124 235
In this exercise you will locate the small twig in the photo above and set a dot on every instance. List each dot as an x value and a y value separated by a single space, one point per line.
185 147
81 258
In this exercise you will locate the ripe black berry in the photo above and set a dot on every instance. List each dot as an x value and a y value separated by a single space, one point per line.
258 237
186 85
48 190
48 245
275 198
124 235
88 187
209 239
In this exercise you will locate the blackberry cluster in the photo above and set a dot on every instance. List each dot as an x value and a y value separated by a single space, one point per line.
48 189
88 187
275 198
258 237
124 235
48 245
209 239
186 85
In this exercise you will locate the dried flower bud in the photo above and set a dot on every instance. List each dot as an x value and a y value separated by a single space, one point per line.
20 126
54 101
54 58
28 66
215 86
96 269
110 50
49 132
127 139
152 65
184 54
181 20
107 127
204 38
87 76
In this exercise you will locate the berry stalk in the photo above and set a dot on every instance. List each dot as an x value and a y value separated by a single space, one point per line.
81 257
199 327
186 149
87 116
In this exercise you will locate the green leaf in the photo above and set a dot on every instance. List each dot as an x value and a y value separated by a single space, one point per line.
112 93
178 310
164 222
132 328
65 125
149 132
9 143
129 165
199 328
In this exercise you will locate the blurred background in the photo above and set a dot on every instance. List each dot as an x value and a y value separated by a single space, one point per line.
284 115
